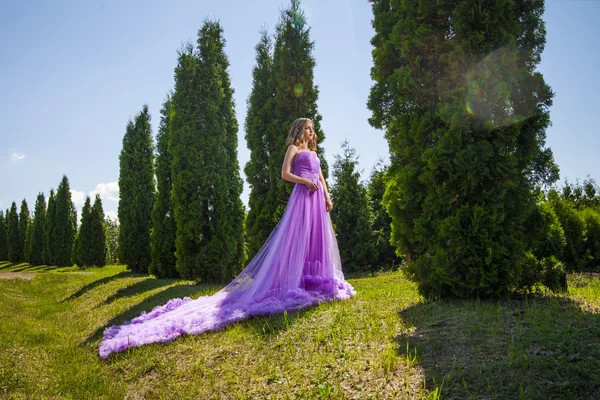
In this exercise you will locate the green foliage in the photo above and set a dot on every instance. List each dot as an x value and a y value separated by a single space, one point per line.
574 229
136 193
49 250
14 249
162 236
82 239
38 232
582 196
64 227
350 213
546 232
111 227
591 247
384 253
24 219
3 238
233 212
203 145
261 129
465 116
95 253
90 248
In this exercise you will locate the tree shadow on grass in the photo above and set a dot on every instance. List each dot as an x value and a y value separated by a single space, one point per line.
96 283
137 288
534 347
6 264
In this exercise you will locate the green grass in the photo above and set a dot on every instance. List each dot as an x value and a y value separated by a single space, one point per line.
385 343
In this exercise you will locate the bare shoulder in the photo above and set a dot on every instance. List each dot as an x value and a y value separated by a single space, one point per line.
292 150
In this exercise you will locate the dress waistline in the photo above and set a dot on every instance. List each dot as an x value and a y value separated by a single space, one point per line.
310 176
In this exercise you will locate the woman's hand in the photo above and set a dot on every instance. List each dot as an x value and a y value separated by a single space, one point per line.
311 185
328 204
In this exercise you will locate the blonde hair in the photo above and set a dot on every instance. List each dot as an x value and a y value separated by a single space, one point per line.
296 134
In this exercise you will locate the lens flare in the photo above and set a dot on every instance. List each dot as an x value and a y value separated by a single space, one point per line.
494 87
299 90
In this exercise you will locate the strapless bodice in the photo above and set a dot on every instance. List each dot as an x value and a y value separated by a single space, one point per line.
307 165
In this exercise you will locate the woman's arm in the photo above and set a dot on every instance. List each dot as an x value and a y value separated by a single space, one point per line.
328 203
287 175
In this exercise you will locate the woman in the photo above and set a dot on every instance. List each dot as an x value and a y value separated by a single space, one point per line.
298 266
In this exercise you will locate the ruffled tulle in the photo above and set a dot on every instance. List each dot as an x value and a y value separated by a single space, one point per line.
298 266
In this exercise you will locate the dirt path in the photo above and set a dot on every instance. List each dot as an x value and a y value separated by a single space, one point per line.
17 275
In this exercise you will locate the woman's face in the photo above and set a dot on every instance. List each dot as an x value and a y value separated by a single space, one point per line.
309 131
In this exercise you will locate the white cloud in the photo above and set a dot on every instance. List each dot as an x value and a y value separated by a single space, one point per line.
77 197
107 191
111 214
14 157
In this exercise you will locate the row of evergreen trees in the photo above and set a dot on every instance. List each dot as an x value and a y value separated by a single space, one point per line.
50 236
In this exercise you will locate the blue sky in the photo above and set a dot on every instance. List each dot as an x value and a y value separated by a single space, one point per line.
72 73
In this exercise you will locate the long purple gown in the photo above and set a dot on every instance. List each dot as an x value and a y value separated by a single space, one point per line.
298 266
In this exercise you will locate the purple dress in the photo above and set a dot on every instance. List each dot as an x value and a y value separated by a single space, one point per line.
298 266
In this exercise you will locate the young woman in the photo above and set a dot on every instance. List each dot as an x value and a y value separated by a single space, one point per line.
298 266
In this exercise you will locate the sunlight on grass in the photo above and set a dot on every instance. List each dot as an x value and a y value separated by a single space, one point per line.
385 343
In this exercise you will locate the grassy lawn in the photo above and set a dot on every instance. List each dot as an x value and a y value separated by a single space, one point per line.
384 343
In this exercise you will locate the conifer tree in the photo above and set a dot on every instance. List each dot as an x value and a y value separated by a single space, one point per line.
137 191
295 96
95 252
260 129
24 218
465 114
111 227
64 227
38 231
162 237
206 185
83 238
14 242
232 209
384 253
49 249
350 214
3 238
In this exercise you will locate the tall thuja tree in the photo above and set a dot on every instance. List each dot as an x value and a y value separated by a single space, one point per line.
465 116
38 231
206 186
65 225
82 239
95 252
162 237
49 238
136 190
295 96
384 253
3 238
14 242
24 218
111 227
232 211
350 214
260 129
